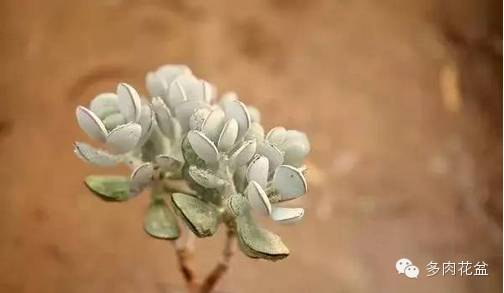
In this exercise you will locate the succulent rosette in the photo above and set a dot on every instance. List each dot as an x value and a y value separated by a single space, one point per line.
209 161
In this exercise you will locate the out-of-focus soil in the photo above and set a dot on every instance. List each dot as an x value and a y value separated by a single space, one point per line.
401 100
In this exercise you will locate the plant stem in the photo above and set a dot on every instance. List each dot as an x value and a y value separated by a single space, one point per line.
221 268
173 186
184 253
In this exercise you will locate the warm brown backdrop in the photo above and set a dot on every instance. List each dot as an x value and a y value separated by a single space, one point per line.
401 100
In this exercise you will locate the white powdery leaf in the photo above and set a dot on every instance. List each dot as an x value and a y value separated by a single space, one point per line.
213 124
277 135
187 87
114 120
160 108
170 72
94 156
124 138
289 182
258 170
91 124
185 110
255 132
168 163
203 147
141 177
255 115
238 111
296 147
258 198
205 178
146 121
209 92
244 153
197 119
129 102
156 86
227 97
271 152
228 135
166 123
104 105
287 215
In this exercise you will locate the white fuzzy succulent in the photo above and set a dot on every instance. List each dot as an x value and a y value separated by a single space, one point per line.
220 137
218 149
119 120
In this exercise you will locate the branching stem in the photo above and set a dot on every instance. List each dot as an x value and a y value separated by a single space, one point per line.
184 252
221 268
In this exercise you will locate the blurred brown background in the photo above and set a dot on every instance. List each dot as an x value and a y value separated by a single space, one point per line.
402 101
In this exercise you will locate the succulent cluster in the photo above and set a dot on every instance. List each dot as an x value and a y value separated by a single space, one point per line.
209 161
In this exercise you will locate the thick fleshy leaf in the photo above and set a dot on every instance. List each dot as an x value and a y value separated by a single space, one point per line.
104 105
256 242
184 111
160 222
129 102
166 123
289 182
197 119
94 156
109 188
159 107
228 135
213 124
91 124
203 146
124 137
141 177
146 121
201 217
113 120
170 72
296 147
238 111
258 170
209 92
227 97
190 156
238 204
240 178
255 132
255 115
168 163
186 87
156 86
244 153
271 152
205 177
258 198
287 215
277 135
209 195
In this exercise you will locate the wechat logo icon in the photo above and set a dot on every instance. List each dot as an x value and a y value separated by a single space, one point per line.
405 267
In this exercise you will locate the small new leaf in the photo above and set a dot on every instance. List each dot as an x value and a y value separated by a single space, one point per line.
201 217
109 188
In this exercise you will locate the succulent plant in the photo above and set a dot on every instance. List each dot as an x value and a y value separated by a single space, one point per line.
206 162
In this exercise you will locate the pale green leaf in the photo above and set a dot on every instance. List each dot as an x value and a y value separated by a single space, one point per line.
257 242
160 222
201 217
109 188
